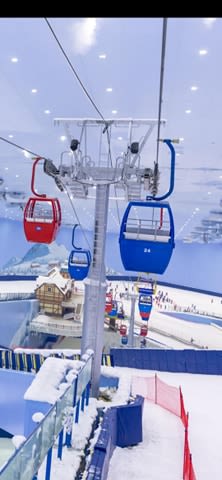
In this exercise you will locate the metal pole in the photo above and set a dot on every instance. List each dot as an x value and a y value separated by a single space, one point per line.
131 325
95 289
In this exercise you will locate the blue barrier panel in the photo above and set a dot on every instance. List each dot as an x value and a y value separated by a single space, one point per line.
190 360
215 362
201 362
175 361
7 359
106 381
104 447
29 362
129 423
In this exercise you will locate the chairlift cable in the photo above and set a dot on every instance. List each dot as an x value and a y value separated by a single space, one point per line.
163 52
22 148
89 97
74 71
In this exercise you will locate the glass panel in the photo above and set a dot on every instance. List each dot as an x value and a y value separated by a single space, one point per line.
83 378
69 395
60 414
48 431
30 455
13 469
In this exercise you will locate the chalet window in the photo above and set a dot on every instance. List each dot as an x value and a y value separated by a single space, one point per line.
79 307
49 289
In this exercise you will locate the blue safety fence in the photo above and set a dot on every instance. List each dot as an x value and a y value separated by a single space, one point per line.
187 361
29 362
27 459
122 427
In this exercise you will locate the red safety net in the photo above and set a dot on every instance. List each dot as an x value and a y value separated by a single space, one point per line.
183 414
170 398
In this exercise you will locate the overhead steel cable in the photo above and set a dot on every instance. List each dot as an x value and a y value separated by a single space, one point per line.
64 186
106 128
74 71
163 51
22 148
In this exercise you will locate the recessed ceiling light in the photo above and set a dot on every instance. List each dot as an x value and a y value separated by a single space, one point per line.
6 168
17 176
114 112
203 52
14 59
177 154
47 112
63 138
10 136
27 154
188 111
34 90
197 209
120 138
209 21
181 139
208 193
102 56
109 89
194 88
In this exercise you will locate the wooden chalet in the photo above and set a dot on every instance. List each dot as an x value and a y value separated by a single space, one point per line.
64 271
52 291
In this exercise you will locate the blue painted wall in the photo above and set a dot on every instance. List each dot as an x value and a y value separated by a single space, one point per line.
13 385
196 265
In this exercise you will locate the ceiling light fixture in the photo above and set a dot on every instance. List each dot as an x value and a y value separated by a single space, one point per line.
194 88
14 59
203 52
187 111
102 56
27 154
34 90
10 136
109 89
47 112
114 112
63 138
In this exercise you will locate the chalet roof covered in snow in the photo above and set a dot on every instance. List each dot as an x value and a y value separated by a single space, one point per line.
54 278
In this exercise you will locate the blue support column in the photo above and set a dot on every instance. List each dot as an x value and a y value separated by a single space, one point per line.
83 400
77 411
60 445
48 465
87 393
75 391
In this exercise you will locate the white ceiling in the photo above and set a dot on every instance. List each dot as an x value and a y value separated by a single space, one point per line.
132 68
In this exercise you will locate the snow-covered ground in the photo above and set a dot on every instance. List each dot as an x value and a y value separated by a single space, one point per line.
160 455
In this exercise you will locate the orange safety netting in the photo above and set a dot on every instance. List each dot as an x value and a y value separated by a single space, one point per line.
170 398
